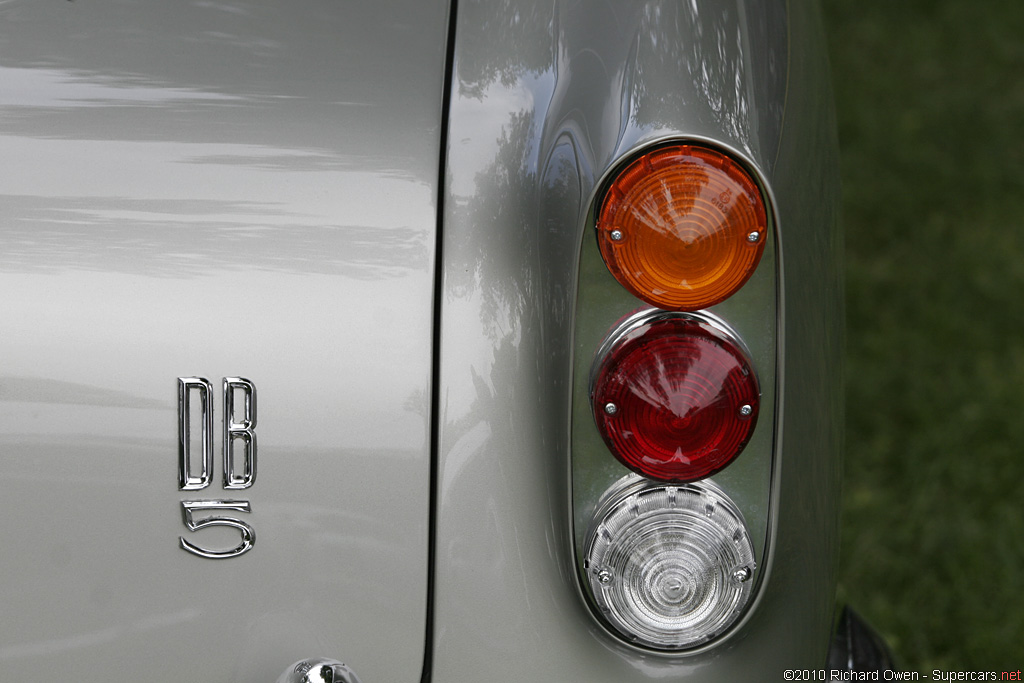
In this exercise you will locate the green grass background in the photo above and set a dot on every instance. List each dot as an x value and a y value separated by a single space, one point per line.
930 99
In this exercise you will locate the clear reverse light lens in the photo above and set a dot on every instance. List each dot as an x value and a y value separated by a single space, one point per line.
669 566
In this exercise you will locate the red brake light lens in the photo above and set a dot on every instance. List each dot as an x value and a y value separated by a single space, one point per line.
682 227
675 399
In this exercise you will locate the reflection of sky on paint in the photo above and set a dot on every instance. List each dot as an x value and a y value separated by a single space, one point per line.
222 7
236 260
278 239
295 279
176 209
202 171
117 171
43 87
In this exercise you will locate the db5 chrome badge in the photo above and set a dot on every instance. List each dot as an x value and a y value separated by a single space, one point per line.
238 442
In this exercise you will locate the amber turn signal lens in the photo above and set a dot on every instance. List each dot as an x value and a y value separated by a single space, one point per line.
682 227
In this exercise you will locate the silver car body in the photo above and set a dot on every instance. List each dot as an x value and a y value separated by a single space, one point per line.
374 212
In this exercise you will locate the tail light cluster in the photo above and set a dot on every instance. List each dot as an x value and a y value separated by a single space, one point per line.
668 558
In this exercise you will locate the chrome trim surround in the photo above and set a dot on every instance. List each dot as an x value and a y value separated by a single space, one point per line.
621 332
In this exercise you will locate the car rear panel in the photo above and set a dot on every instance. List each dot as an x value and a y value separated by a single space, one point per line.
216 190
569 90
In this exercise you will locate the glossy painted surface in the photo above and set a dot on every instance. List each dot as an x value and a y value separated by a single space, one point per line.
546 98
225 188
214 189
